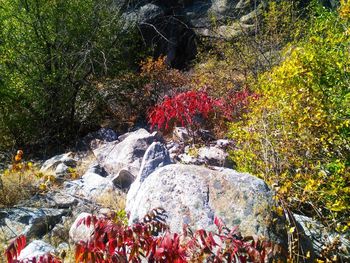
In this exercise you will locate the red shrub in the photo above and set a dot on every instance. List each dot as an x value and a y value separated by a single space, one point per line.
113 242
184 109
189 109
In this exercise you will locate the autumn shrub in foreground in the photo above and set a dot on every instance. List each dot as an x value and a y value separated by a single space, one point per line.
150 240
113 242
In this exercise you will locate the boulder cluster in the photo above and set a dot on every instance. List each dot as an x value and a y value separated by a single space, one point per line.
192 184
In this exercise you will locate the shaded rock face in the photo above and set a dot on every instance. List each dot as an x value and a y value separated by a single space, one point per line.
194 195
31 222
171 27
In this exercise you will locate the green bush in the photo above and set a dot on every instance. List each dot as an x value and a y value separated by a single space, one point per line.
297 135
50 54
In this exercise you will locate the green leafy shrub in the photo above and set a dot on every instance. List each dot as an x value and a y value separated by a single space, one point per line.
297 134
50 53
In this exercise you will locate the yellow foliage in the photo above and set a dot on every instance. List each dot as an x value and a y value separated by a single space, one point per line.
344 9
297 134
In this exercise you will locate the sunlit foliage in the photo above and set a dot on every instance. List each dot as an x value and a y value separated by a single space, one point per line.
297 135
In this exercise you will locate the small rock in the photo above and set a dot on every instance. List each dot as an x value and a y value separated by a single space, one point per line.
124 179
81 232
97 169
94 185
35 249
214 156
61 171
223 143
181 134
103 135
51 164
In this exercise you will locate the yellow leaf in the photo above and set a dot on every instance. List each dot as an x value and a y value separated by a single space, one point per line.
291 230
279 211
42 187
308 254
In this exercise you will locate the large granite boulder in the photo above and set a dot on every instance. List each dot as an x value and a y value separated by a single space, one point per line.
194 195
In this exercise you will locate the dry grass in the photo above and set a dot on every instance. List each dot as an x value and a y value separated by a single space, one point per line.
84 164
112 200
18 185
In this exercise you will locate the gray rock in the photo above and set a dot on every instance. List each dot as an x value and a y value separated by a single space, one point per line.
31 222
187 158
123 179
214 156
103 134
81 232
91 186
207 155
125 155
174 149
35 249
61 171
194 195
223 143
155 157
97 169
59 199
321 237
181 134
51 164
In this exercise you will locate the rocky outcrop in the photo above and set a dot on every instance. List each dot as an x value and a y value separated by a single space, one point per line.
194 195
123 159
171 27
